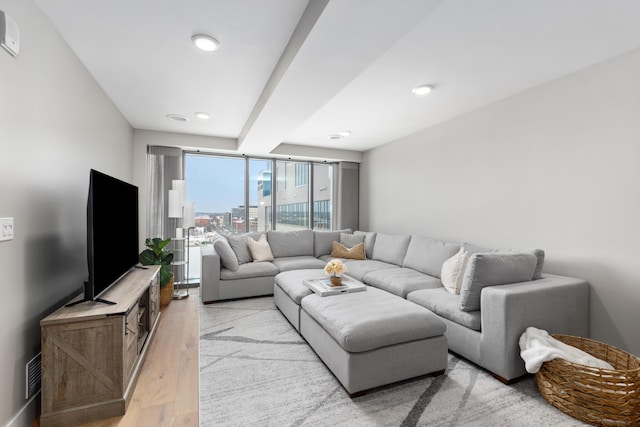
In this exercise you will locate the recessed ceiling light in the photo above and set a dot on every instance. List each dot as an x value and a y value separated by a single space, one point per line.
205 42
422 89
177 118
202 115
339 135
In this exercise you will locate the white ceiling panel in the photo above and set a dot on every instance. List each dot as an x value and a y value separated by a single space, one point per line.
349 65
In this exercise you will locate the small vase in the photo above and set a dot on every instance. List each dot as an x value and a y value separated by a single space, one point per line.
335 280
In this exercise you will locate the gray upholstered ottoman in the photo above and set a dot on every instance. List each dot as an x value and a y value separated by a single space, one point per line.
289 290
373 338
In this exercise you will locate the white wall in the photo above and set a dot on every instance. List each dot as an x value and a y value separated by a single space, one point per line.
55 124
557 167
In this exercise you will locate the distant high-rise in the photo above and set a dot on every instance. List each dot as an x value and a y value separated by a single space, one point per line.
292 196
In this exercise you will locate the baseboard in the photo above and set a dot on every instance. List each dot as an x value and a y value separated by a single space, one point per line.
29 413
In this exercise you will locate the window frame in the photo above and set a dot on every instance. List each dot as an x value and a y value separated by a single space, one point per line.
308 166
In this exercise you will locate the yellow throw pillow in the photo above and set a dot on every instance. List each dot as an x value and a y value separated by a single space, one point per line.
341 251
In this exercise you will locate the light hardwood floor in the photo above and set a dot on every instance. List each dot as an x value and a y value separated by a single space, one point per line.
166 393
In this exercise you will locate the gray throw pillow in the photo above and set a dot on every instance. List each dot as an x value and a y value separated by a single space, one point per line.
492 269
228 258
350 240
240 245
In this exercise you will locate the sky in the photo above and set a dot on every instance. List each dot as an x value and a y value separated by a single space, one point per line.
216 184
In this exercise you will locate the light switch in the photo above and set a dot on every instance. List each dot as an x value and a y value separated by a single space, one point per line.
9 34
6 229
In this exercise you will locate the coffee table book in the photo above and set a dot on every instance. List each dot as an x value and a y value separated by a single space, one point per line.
323 287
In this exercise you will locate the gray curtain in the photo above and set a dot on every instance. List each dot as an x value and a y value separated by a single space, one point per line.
164 164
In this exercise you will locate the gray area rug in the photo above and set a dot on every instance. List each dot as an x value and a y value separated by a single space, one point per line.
256 370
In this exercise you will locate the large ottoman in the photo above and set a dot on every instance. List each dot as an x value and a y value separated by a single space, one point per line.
373 338
289 289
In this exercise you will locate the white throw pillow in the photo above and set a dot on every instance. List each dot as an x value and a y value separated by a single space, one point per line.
453 271
260 250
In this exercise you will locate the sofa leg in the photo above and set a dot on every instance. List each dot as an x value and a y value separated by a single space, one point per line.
357 394
511 381
438 373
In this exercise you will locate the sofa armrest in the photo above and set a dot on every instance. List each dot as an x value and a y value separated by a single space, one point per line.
553 303
209 274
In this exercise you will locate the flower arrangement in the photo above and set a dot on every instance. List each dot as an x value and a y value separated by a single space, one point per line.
335 268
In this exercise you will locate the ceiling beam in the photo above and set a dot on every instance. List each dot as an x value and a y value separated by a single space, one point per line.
308 19
329 49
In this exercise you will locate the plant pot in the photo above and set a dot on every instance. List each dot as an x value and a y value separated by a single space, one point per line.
166 293
335 280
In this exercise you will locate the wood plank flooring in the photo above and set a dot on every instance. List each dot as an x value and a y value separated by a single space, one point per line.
166 393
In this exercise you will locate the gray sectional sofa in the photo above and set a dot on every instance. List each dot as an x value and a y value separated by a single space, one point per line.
503 291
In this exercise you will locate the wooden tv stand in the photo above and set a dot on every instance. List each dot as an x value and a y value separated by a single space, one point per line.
92 353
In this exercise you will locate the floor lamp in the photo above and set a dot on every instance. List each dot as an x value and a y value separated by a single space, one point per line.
188 222
177 197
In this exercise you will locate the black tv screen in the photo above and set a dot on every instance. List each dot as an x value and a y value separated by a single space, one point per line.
112 232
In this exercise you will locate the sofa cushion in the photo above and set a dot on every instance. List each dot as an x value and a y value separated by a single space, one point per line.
369 241
446 305
228 257
472 248
298 263
292 282
491 269
341 251
251 269
351 240
539 253
240 245
400 281
260 250
323 241
453 271
363 321
391 248
427 255
359 268
291 243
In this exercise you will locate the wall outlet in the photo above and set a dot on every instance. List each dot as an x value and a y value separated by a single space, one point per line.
6 229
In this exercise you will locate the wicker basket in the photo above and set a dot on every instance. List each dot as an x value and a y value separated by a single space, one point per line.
601 397
166 293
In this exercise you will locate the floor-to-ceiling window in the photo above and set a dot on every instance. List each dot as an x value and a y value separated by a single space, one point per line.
260 194
217 187
234 195
292 195
323 196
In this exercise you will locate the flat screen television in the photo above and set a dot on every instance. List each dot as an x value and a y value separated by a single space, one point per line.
112 233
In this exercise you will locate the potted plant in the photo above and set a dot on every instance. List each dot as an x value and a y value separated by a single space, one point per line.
335 269
156 254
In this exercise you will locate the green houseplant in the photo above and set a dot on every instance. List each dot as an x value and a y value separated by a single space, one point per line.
157 254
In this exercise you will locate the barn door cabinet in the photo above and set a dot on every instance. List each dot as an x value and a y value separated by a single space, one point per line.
92 353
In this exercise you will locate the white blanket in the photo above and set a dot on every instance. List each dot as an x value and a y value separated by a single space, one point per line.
537 347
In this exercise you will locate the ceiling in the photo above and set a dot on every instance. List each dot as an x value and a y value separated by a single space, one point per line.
289 73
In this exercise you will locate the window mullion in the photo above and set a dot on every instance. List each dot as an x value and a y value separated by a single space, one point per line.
246 194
